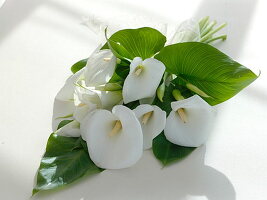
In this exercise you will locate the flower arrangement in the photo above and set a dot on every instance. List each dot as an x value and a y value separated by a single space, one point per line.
136 92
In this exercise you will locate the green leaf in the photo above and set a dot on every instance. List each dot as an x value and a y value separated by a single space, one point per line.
63 123
78 65
168 152
205 67
121 72
130 43
64 161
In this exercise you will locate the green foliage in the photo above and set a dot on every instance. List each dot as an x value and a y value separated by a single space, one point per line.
78 65
66 159
130 43
168 152
205 67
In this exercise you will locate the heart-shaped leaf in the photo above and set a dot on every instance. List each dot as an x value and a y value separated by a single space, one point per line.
130 43
205 70
66 159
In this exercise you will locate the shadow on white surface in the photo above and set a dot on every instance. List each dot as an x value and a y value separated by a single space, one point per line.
188 179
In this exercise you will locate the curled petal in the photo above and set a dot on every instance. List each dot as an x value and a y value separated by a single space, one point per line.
152 126
86 96
195 131
67 91
116 151
100 68
71 129
188 31
143 79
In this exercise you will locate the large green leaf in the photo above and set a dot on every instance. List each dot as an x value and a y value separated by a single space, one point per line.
142 42
168 152
66 159
78 65
210 70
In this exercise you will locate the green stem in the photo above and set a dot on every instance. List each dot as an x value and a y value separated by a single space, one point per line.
208 28
203 23
222 37
206 37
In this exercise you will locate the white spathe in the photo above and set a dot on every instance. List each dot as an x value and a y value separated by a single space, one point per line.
154 125
117 151
85 101
109 98
67 91
71 129
200 120
100 67
144 82
187 31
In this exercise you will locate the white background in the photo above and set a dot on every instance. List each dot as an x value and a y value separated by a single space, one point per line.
40 40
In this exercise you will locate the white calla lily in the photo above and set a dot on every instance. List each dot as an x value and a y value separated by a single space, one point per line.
152 120
100 67
85 101
143 79
187 31
194 129
71 129
67 91
114 139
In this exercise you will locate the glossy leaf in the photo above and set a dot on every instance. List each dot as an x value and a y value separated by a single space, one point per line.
210 70
168 152
78 65
130 43
66 159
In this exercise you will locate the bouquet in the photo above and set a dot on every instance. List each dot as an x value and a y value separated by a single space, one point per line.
139 91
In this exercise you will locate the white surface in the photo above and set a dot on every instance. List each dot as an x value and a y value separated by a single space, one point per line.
40 40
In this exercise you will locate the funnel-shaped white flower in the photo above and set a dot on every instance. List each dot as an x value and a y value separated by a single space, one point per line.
195 130
152 120
114 139
188 31
67 91
143 79
85 101
100 68
71 129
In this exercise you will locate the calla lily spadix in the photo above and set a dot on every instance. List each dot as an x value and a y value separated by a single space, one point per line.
152 120
114 139
143 79
100 68
195 130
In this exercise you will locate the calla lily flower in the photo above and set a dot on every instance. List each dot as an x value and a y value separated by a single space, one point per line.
114 139
67 91
152 120
191 127
143 79
71 129
100 68
187 31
